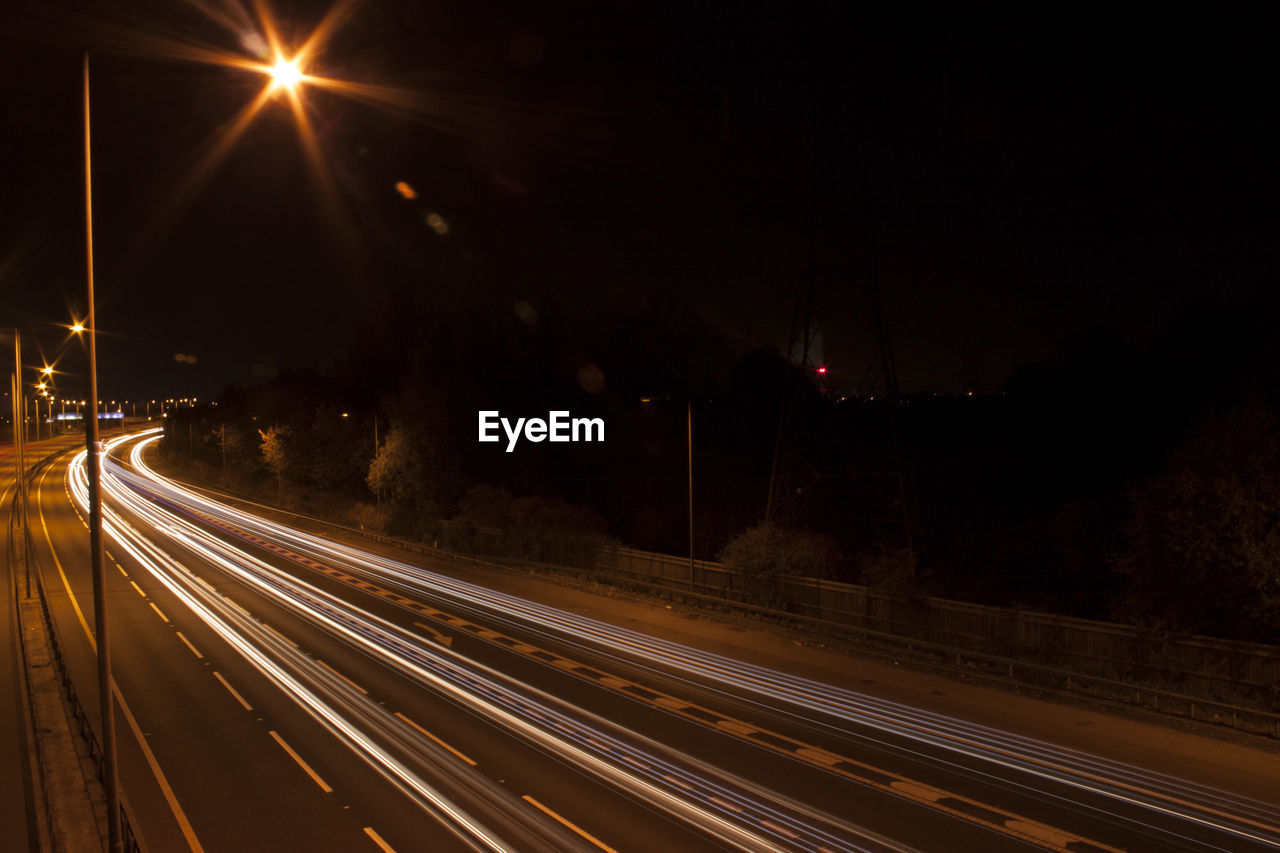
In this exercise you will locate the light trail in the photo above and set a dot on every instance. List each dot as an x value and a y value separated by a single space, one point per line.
813 703
735 812
236 628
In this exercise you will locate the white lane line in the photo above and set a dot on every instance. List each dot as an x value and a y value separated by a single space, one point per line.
315 777
435 739
564 821
377 839
194 650
232 691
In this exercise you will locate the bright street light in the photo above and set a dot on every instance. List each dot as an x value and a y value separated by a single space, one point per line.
285 74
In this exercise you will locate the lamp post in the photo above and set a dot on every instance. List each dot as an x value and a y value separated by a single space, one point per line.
286 74
689 424
106 701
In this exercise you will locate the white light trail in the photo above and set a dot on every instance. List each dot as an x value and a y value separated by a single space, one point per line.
813 703
738 813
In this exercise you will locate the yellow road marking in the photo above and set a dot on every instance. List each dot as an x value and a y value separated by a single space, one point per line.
436 635
75 604
232 691
919 792
315 777
194 650
436 739
122 571
137 589
157 610
564 821
377 839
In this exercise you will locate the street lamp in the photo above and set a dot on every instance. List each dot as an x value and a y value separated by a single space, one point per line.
106 701
285 74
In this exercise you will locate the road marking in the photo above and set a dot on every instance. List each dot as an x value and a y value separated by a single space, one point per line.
178 814
138 589
157 610
436 635
75 603
540 807
122 571
194 650
377 839
725 804
236 606
781 830
232 691
963 808
436 739
315 777
343 677
174 806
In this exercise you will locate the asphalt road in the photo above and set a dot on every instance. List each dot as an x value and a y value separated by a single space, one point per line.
284 693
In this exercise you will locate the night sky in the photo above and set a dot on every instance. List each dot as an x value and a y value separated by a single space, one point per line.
1013 180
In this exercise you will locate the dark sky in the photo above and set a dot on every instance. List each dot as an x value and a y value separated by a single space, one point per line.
1010 180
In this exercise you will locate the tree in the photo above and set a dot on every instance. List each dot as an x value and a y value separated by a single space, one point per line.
275 454
229 441
772 551
1202 550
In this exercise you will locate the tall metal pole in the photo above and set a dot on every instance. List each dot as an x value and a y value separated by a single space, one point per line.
19 427
378 490
689 403
110 781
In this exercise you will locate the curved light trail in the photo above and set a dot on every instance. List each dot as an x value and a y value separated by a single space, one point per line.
811 702
733 811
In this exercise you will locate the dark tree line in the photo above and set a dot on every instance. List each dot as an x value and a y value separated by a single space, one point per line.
1107 484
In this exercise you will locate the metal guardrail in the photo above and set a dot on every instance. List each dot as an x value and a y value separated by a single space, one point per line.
972 663
132 841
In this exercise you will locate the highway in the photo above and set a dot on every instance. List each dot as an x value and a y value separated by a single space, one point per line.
280 691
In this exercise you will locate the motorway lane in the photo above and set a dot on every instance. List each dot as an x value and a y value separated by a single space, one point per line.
584 801
517 765
233 782
992 790
641 829
724 751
